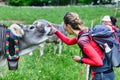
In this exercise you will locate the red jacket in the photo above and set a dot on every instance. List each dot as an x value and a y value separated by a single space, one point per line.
90 49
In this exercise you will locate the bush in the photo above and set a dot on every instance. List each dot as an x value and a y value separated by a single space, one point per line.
40 2
85 1
20 2
45 2
60 2
29 2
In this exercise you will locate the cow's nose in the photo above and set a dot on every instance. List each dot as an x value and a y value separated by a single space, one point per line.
41 29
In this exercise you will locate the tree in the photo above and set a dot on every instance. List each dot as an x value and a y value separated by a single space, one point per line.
95 2
74 2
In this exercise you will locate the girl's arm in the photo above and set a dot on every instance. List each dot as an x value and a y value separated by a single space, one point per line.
92 52
93 58
65 39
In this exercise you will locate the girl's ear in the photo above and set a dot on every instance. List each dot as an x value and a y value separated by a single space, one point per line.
16 30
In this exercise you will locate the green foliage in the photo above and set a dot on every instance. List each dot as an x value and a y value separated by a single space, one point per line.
40 2
44 2
60 2
37 2
85 1
20 2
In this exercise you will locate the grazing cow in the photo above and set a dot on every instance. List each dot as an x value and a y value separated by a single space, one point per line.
29 37
52 37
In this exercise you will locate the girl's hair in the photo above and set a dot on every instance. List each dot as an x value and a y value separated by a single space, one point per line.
73 20
113 20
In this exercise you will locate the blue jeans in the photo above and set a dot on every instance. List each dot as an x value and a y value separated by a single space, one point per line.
104 76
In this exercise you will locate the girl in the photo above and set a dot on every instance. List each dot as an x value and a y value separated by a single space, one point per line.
92 53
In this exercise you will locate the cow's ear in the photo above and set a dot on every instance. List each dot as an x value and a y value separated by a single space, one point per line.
17 30
37 23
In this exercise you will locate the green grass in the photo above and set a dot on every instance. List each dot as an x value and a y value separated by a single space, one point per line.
28 15
50 66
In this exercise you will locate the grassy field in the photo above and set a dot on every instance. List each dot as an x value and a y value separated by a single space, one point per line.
50 66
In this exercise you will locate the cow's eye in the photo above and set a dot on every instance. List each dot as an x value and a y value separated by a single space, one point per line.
32 27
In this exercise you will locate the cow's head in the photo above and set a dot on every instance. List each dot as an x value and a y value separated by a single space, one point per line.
41 22
30 36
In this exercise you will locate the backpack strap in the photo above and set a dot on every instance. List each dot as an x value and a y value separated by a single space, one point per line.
90 37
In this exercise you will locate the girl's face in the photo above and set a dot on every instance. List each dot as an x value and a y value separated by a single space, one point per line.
68 28
107 23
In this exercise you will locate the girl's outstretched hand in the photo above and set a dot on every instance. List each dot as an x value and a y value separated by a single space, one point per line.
76 58
52 27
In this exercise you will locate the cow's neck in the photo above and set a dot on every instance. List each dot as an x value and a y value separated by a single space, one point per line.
25 47
27 50
22 44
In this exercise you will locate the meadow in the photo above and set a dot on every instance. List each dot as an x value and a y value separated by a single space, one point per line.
52 66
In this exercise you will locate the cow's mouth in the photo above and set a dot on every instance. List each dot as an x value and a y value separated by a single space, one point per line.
50 33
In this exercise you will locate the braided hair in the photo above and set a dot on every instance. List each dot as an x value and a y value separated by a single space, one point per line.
73 20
